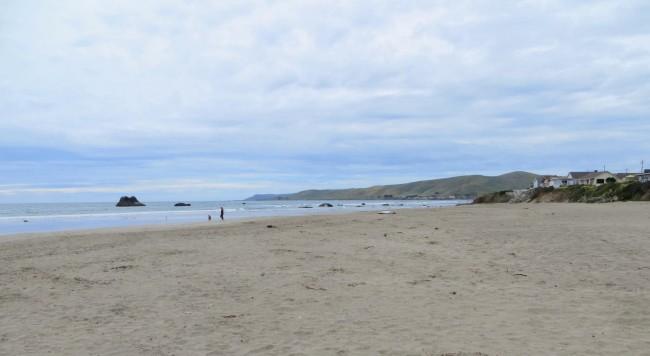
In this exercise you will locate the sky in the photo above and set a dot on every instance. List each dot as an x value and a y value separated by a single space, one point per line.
216 100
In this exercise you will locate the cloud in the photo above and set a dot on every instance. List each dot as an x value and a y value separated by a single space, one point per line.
183 185
287 91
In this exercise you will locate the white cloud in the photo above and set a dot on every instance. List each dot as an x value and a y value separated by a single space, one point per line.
155 186
267 83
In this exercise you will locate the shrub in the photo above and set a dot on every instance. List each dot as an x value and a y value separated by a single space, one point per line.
632 191
538 192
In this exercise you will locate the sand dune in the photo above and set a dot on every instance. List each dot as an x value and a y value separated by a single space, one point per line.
527 279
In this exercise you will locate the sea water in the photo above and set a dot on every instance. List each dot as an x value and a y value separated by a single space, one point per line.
49 217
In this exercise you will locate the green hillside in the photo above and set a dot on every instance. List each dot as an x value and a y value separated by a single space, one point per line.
460 187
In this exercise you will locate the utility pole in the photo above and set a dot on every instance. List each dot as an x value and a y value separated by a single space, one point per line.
642 171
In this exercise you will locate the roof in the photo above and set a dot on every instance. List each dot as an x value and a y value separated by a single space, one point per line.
587 175
596 174
579 175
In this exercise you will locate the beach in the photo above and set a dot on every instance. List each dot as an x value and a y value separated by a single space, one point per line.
502 279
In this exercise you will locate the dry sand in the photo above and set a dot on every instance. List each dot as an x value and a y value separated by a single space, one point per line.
528 279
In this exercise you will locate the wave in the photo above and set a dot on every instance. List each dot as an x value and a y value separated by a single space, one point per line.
90 215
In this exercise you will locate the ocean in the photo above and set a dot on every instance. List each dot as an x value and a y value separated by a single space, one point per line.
50 217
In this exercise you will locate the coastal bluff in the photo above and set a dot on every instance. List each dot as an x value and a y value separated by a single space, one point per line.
605 193
127 201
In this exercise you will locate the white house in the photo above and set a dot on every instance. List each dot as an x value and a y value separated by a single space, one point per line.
626 177
593 178
552 181
557 181
542 182
587 178
644 177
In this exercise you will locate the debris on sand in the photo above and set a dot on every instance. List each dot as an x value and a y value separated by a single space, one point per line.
271 226
122 268
387 212
355 284
418 281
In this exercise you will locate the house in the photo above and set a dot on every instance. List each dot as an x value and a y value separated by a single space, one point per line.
593 178
552 181
644 177
557 181
626 177
588 178
542 182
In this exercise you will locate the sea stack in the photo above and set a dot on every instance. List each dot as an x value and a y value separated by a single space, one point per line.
128 201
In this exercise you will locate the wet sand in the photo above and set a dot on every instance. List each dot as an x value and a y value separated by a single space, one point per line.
526 279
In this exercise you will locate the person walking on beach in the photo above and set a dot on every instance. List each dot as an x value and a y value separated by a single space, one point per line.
221 214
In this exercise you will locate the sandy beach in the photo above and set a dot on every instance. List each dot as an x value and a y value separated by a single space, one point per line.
521 279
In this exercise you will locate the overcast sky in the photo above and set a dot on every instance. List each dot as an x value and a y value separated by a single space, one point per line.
210 100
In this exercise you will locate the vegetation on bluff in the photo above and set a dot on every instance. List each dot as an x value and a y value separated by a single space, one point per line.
610 192
503 196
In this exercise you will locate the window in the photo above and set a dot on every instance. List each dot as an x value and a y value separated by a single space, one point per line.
600 181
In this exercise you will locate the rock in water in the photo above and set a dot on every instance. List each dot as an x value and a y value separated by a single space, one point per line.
326 205
182 204
128 201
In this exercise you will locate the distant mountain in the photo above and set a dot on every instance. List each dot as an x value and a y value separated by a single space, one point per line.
269 197
455 187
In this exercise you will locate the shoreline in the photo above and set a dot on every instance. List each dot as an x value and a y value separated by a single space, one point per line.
85 217
172 226
168 227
